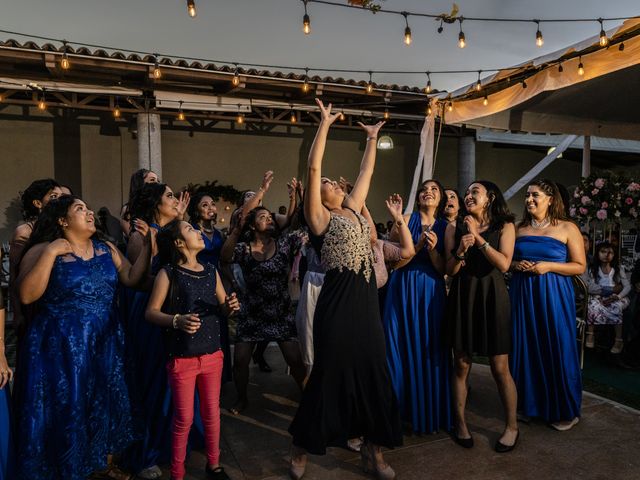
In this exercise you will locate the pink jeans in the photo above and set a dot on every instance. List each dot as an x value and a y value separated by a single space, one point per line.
184 374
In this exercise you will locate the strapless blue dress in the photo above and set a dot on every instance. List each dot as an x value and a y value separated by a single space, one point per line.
544 362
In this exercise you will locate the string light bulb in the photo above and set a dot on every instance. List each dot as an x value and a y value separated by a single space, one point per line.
240 119
235 81
580 67
450 106
429 110
42 104
479 83
64 62
462 41
407 30
116 110
560 67
370 84
157 73
386 114
539 38
294 119
181 116
427 89
306 21
604 40
621 47
191 8
305 85
485 101
524 84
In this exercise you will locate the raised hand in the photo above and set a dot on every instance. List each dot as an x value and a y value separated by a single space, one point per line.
394 205
266 180
345 185
183 203
325 112
472 225
432 239
372 130
142 228
292 187
189 323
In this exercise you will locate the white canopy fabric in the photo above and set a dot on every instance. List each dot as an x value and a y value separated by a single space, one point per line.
603 102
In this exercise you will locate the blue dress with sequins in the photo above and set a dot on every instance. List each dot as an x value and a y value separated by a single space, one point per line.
71 395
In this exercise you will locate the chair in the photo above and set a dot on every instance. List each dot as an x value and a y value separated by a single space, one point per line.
582 302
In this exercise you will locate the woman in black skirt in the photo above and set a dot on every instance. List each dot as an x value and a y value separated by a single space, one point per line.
349 392
479 252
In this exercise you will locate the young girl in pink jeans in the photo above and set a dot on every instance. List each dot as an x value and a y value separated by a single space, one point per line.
188 298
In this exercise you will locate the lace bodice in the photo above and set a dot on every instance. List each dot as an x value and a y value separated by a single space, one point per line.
347 245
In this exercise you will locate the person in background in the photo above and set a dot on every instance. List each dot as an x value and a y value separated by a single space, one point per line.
111 227
609 291
138 179
33 199
452 209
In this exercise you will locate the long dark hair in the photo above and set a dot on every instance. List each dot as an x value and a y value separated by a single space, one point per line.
462 210
556 210
135 184
48 228
36 191
248 231
443 198
146 200
168 252
498 211
192 209
595 262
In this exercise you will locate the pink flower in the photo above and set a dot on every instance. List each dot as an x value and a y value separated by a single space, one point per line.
604 205
601 214
585 200
628 200
599 183
594 191
633 187
583 211
572 212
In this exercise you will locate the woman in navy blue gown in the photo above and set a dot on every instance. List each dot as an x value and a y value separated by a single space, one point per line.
414 309
71 395
544 361
6 374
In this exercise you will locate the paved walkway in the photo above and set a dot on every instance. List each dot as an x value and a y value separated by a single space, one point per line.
604 445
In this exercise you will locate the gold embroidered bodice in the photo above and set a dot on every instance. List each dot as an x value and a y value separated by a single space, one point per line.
347 245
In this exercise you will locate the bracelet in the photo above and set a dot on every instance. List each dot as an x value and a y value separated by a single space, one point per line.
371 138
460 257
484 246
174 322
399 223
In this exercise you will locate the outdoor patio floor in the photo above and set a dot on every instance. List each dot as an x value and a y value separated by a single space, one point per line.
255 445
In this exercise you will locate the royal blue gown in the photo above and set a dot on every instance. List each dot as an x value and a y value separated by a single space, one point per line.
6 437
544 362
417 357
71 395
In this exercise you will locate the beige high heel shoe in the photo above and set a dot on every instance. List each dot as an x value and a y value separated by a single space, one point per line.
369 465
296 472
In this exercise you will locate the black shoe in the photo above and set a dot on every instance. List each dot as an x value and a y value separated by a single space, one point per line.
463 442
262 364
502 448
217 473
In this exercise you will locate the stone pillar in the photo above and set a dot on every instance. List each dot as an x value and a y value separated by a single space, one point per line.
586 156
149 142
466 162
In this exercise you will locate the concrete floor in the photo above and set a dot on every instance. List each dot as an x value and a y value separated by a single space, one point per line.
604 445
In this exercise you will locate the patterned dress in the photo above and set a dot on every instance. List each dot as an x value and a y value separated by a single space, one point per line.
267 311
73 405
349 392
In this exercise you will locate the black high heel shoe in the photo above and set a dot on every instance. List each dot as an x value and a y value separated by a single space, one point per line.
502 448
463 442
262 363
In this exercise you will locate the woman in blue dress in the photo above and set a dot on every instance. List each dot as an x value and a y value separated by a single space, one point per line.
413 314
544 362
71 395
6 374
